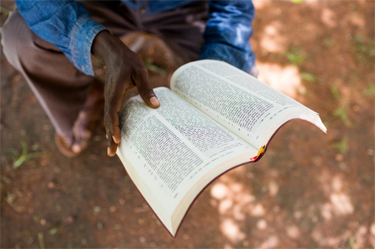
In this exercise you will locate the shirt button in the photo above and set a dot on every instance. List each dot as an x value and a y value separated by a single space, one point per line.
143 10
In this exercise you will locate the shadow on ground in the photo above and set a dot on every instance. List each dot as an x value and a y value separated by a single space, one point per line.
310 190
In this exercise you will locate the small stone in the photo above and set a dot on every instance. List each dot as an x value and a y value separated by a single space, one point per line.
96 210
112 209
69 219
43 222
51 185
121 201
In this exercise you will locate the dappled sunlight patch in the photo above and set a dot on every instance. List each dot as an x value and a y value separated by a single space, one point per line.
312 2
337 184
341 204
326 211
355 19
236 187
285 79
225 205
273 188
235 203
257 210
328 241
271 242
293 232
258 4
262 224
372 235
360 237
219 191
231 230
328 17
271 40
227 246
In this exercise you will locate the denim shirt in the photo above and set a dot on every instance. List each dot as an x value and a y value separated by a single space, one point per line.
68 25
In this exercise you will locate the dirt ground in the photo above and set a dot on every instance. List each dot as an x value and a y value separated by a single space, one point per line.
310 190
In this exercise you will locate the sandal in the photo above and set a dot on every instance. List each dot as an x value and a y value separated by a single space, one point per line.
84 125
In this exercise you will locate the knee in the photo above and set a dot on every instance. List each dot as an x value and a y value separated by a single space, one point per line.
9 37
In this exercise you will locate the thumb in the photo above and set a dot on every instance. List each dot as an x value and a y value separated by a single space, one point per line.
145 90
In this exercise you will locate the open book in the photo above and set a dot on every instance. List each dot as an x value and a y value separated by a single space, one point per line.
214 118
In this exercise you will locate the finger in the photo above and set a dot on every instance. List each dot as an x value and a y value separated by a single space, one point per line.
116 129
112 109
112 146
113 118
140 78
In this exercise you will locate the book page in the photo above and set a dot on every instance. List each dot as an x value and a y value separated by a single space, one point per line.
173 146
246 106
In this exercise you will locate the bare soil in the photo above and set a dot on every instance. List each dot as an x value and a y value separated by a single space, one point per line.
311 190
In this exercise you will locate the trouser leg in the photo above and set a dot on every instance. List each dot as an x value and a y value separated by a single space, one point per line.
60 88
182 28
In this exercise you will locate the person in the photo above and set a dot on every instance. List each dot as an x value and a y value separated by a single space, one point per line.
51 44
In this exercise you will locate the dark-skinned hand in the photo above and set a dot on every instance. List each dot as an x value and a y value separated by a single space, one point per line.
124 70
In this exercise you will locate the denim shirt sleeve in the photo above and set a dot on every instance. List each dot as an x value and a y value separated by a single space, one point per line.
67 24
227 33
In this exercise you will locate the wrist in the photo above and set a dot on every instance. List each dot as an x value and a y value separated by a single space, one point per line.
104 45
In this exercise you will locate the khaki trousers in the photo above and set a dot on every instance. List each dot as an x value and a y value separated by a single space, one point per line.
61 88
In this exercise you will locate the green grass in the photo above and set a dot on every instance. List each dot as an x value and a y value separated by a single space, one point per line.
370 91
297 1
363 48
328 42
295 56
342 146
41 241
308 77
335 92
10 198
342 115
53 231
19 158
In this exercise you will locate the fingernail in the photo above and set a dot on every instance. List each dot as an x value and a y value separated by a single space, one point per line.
108 151
114 139
154 101
106 136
